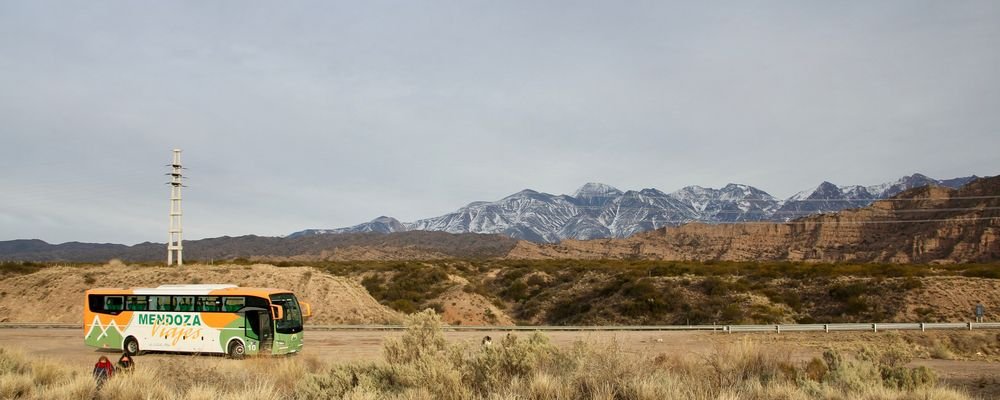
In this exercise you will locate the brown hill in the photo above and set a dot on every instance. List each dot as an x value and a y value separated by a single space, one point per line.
55 294
924 225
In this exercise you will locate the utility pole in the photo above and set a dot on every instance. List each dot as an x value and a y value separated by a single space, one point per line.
175 230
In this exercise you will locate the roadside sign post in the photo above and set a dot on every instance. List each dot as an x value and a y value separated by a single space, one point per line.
980 312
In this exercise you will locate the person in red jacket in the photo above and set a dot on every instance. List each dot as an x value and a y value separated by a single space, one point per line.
103 370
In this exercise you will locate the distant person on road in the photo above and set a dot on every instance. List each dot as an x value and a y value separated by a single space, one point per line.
103 370
125 363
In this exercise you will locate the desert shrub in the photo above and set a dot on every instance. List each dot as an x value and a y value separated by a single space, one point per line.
344 379
845 292
732 366
403 305
373 283
16 386
536 280
941 351
491 317
12 362
437 306
516 291
643 299
45 373
878 366
764 314
849 375
789 297
982 271
485 371
715 286
855 305
80 387
409 289
815 370
567 311
20 267
21 377
910 283
423 356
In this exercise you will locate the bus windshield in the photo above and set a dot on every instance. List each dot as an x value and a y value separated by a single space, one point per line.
292 322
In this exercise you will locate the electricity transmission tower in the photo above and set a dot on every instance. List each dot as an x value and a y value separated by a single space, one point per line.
175 230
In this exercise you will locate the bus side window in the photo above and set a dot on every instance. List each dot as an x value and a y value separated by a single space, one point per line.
136 303
159 303
184 303
96 303
113 303
233 304
209 303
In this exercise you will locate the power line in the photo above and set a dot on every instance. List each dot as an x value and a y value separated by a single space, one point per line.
874 222
912 210
655 207
834 222
776 200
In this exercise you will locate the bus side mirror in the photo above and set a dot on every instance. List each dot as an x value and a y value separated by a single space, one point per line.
277 312
307 310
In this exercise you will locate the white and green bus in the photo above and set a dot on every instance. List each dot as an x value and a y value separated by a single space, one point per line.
195 319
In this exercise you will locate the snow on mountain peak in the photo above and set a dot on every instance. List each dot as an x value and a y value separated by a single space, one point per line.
594 189
738 191
803 195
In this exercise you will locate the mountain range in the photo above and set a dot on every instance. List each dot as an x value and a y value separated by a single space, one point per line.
927 224
598 211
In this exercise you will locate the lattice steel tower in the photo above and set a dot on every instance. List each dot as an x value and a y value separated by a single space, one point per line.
174 244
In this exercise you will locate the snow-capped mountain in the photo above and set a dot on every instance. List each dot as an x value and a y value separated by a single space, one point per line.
732 203
593 196
828 197
597 210
823 198
381 224
526 214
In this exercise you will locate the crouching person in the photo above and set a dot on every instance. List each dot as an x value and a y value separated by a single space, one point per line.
125 363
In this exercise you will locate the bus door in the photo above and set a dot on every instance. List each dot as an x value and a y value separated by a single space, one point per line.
258 327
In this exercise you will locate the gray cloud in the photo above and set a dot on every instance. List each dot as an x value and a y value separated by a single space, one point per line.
321 114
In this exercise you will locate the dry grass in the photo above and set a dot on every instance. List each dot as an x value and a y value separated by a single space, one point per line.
422 365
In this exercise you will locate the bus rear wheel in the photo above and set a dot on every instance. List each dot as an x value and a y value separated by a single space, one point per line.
236 350
131 346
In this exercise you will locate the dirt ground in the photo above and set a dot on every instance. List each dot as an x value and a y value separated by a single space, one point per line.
978 377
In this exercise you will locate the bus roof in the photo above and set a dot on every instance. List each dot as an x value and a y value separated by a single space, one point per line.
205 289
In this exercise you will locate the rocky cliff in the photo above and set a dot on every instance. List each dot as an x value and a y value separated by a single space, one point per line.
930 224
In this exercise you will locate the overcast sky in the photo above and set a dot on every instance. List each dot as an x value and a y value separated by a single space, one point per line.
324 114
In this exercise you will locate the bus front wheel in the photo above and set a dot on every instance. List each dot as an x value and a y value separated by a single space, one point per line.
236 350
131 346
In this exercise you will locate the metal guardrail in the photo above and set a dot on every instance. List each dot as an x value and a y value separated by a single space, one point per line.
776 328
